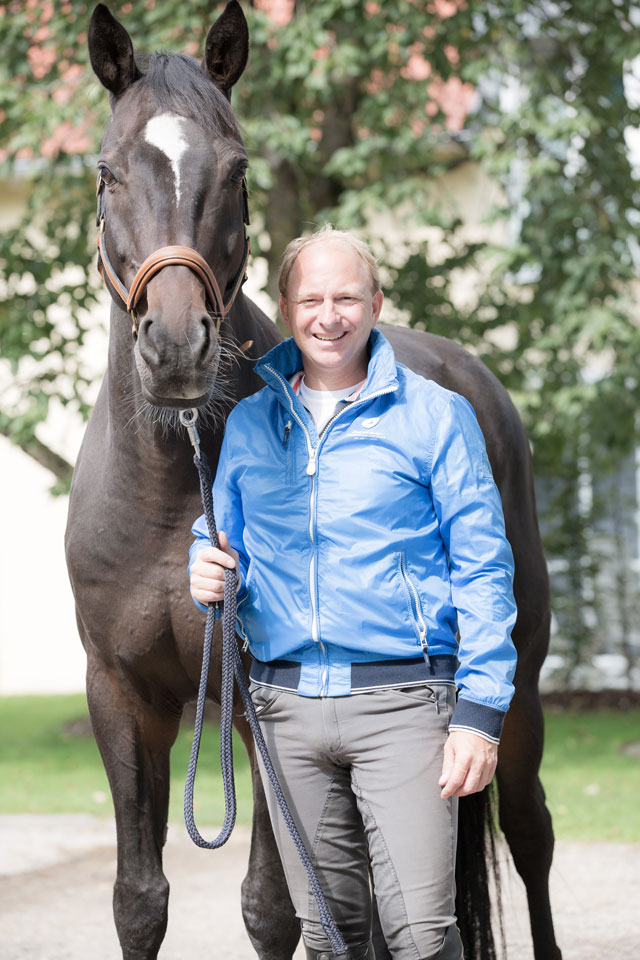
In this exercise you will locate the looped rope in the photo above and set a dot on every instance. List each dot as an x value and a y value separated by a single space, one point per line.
232 666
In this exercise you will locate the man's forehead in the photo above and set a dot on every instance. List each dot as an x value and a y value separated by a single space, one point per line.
332 261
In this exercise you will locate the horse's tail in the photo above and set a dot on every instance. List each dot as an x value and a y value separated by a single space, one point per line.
476 870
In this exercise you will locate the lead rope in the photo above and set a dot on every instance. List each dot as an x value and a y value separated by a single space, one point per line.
232 665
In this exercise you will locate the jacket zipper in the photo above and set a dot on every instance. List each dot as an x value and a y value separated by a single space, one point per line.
312 455
312 466
416 606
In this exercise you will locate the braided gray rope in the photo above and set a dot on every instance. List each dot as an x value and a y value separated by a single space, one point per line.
232 666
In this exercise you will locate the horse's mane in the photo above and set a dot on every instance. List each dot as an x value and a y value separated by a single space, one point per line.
180 84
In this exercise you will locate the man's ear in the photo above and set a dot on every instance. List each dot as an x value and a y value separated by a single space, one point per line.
285 313
378 300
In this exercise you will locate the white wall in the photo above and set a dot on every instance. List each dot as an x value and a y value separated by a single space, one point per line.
40 651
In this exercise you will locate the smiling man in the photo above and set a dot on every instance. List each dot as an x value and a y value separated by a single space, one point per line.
330 302
375 578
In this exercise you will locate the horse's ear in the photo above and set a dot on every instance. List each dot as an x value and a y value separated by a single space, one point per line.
227 48
111 52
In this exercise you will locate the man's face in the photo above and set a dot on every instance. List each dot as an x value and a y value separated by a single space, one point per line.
330 310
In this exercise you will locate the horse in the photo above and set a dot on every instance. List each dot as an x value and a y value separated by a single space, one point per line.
173 208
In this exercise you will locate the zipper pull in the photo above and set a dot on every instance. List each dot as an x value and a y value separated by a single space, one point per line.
287 431
311 466
423 644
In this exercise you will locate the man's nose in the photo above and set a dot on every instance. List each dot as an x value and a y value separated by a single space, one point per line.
327 310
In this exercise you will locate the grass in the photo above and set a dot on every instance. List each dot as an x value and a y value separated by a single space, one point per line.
49 764
592 786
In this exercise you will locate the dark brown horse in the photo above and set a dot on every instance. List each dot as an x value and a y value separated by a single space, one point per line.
172 169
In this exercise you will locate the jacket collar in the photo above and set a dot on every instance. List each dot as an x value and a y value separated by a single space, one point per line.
285 359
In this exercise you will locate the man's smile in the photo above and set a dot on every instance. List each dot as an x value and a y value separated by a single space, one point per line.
338 336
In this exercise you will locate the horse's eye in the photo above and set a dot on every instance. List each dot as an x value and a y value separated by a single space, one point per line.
106 176
239 172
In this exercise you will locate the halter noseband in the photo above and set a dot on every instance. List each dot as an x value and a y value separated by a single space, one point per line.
170 256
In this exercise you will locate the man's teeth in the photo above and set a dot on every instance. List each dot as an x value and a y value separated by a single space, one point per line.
338 337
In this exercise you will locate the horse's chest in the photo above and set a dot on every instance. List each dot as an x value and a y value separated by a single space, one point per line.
130 582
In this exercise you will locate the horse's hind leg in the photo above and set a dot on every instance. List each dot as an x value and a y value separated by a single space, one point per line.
524 817
267 910
135 741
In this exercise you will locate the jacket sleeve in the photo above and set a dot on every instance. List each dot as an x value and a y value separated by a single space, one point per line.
227 508
469 510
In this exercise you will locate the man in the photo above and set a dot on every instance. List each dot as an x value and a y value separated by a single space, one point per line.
361 515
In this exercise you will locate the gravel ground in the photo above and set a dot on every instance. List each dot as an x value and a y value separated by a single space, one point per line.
56 875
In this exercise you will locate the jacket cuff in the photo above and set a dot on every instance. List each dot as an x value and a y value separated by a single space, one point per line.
478 718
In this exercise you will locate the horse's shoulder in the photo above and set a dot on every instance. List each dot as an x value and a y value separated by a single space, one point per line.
455 368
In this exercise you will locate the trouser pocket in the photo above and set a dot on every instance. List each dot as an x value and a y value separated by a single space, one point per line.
264 698
440 695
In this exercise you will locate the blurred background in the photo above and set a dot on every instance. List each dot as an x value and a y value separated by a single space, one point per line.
490 152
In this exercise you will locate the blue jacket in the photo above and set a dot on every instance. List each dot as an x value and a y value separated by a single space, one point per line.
381 538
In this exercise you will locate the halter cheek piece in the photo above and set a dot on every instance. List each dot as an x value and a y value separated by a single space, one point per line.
170 256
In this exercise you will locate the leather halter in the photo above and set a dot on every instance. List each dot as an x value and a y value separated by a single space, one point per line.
176 255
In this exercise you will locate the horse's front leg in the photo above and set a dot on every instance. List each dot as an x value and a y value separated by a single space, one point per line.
268 913
135 740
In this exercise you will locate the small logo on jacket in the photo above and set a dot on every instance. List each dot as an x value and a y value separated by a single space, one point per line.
371 422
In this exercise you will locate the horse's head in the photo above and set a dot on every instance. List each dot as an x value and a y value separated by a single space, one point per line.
171 191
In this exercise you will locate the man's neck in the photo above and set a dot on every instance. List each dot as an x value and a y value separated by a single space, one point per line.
340 381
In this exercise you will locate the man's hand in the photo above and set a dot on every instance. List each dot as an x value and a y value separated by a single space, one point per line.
207 571
469 764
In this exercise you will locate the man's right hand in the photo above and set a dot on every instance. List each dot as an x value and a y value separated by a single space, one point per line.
207 570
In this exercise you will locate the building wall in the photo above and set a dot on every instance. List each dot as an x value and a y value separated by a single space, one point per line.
40 651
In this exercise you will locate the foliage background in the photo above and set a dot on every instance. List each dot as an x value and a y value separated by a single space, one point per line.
351 110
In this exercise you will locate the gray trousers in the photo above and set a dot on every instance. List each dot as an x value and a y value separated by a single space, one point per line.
360 774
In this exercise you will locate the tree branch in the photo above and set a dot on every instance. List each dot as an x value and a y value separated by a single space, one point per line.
49 459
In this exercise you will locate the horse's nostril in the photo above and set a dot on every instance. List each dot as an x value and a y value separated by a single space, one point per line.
205 345
150 351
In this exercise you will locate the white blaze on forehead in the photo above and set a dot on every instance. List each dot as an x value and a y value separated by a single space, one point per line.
165 133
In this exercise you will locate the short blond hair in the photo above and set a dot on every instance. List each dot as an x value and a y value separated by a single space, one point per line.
328 232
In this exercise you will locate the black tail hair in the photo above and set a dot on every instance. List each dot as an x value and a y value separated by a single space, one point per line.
476 868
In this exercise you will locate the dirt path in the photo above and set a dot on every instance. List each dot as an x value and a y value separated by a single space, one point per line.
56 875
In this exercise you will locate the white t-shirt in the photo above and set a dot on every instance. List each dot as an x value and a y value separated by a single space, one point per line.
321 404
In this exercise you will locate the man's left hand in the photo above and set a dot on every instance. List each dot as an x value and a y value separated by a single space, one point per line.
469 764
